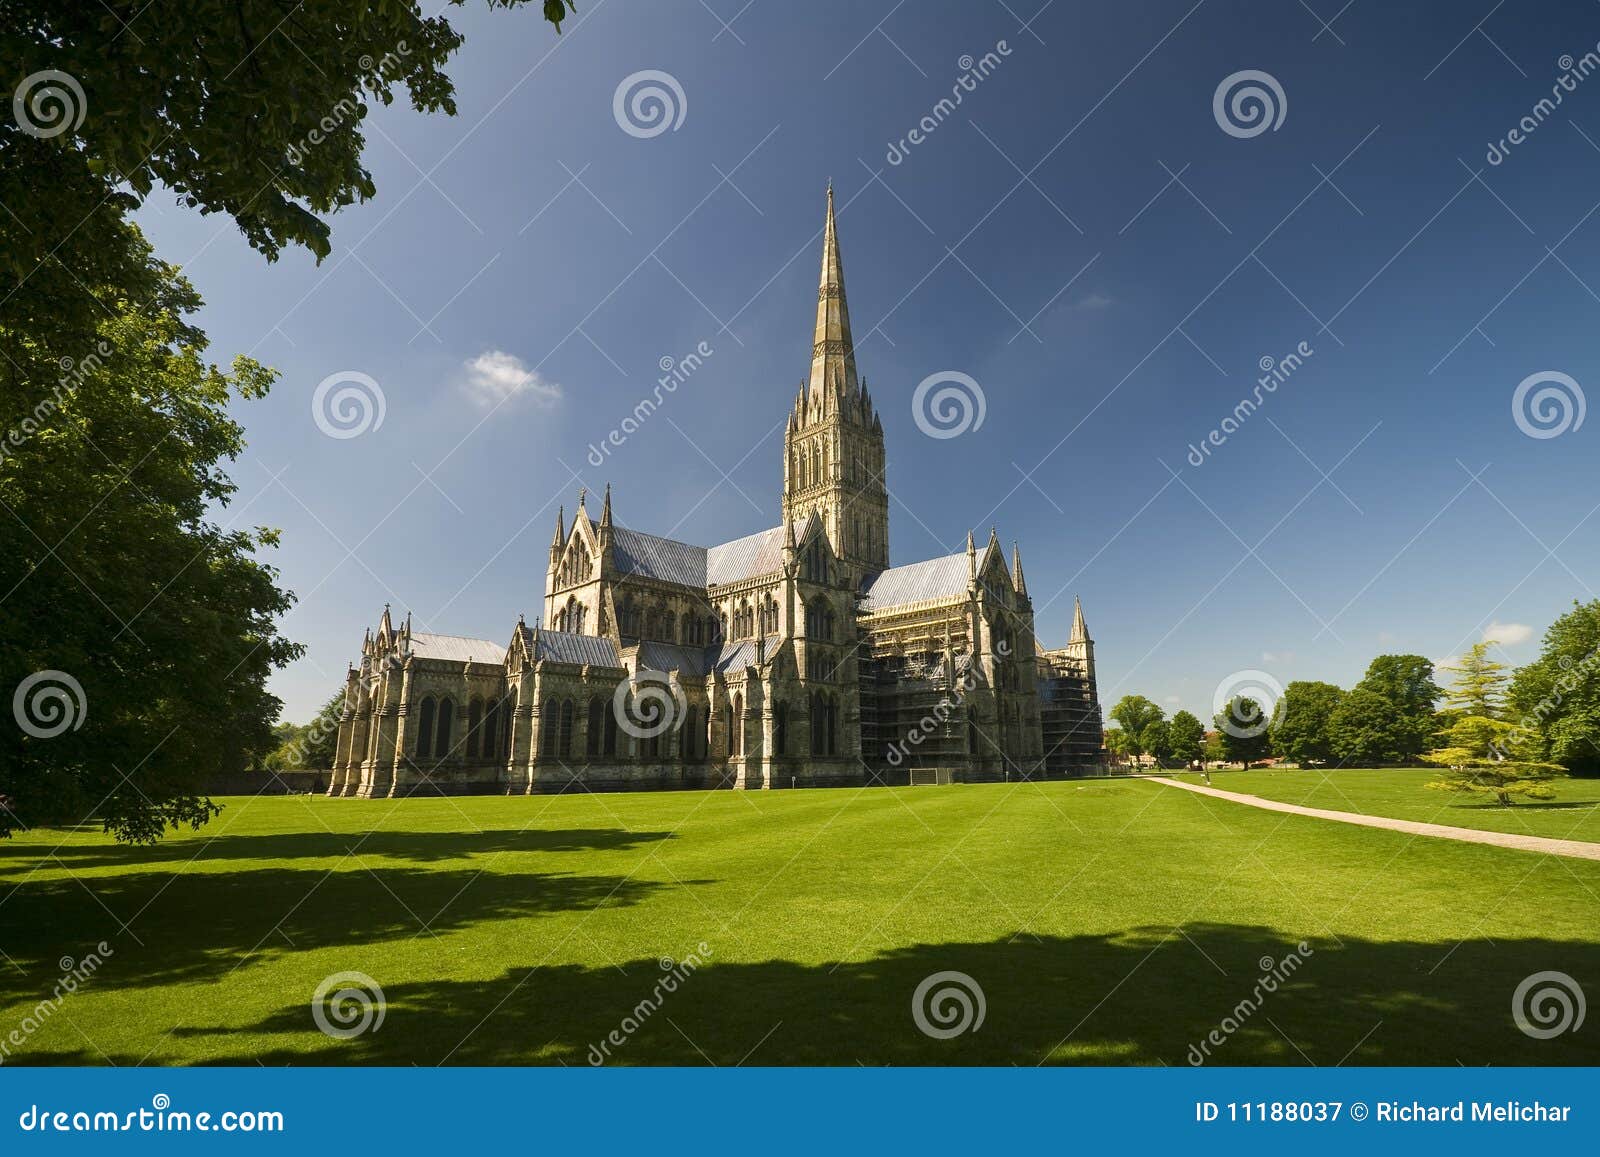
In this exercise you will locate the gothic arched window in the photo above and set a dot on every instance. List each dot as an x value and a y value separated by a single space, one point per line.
596 728
447 715
549 726
424 727
566 729
474 724
491 729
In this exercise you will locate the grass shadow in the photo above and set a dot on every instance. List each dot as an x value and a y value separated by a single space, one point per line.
1144 997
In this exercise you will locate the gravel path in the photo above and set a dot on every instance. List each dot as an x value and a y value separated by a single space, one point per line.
1581 849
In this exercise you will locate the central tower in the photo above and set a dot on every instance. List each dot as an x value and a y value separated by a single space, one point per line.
833 447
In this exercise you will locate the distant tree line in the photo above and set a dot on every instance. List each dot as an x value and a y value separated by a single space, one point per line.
1494 731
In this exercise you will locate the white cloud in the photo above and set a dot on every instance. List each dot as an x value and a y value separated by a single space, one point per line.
1277 656
1508 634
496 376
1094 300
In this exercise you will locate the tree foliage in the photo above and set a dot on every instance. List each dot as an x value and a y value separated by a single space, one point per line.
254 111
1188 736
1242 730
114 427
1506 780
1389 716
1133 714
1479 687
308 746
1301 725
120 581
1156 740
1554 702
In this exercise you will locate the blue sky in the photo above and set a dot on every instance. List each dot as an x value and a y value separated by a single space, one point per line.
1080 236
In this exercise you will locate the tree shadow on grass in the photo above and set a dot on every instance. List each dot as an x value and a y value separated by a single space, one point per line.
201 926
1551 805
1152 996
421 847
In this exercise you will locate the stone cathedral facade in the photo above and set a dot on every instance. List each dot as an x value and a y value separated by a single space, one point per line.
793 657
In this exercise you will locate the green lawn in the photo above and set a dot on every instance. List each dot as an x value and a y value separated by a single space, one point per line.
1399 792
1106 922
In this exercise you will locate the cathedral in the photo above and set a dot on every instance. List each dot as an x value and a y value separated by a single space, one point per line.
793 657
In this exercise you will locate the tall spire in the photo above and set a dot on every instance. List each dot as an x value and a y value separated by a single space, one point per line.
833 353
1080 630
1017 581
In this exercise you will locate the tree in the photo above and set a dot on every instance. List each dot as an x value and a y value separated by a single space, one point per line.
1156 738
251 111
1480 684
1389 716
1301 724
1242 726
1554 702
1506 780
1214 751
1116 743
1188 736
1133 714
162 624
311 746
